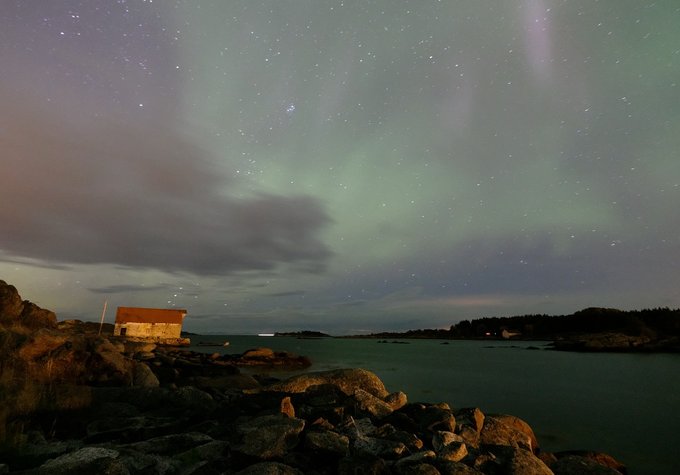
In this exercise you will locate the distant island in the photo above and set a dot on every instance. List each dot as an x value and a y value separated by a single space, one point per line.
304 334
591 329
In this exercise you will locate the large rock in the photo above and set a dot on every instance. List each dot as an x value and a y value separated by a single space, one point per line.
348 380
523 462
376 407
586 462
269 437
500 430
269 468
327 442
85 460
15 311
143 376
11 304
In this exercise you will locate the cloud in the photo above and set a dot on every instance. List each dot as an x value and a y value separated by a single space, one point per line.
123 288
290 293
126 191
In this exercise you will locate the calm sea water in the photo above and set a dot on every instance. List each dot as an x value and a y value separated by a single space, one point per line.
627 405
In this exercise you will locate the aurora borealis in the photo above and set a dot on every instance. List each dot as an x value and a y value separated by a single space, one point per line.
342 166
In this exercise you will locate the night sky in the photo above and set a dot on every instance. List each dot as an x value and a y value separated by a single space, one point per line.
343 166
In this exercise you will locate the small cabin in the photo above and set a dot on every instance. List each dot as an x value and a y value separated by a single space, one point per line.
151 324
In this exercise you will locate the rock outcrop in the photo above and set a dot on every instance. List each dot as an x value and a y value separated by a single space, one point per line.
80 402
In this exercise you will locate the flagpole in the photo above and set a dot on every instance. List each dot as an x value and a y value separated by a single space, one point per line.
101 324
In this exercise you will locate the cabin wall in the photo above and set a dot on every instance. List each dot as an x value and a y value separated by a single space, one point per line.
149 330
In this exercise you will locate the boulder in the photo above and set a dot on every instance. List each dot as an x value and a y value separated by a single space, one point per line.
286 407
268 357
471 417
363 464
15 311
170 444
269 437
524 462
269 468
383 448
396 400
586 463
35 317
11 304
454 452
498 431
144 377
348 380
327 442
447 467
85 460
258 353
520 425
441 439
374 406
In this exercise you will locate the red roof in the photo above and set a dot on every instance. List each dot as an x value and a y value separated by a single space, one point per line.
149 315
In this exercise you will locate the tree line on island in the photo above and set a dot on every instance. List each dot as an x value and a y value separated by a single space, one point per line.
590 329
655 323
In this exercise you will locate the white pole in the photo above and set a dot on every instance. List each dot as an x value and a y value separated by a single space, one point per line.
101 324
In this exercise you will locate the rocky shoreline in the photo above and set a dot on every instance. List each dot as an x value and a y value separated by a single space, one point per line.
73 401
